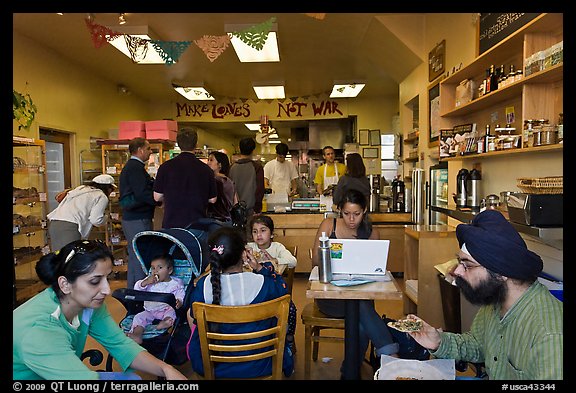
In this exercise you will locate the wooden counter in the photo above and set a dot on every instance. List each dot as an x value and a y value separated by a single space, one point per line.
299 229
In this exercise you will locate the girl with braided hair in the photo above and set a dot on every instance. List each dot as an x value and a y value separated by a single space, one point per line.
229 284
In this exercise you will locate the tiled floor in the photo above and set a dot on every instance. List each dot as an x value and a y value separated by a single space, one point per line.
330 355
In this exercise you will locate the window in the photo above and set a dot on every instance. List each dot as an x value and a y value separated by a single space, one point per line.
388 163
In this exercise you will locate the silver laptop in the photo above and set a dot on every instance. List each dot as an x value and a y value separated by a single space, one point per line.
358 259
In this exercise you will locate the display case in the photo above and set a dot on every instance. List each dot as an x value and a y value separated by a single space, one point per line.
29 210
114 155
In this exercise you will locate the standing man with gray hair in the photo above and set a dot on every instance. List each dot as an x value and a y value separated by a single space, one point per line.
136 201
518 330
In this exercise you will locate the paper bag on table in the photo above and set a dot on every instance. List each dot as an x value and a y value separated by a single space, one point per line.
392 368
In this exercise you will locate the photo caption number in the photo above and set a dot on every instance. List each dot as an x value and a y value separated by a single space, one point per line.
35 386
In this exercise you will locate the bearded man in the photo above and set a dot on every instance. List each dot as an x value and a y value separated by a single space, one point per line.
518 330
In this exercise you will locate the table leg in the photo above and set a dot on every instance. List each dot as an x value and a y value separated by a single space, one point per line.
351 368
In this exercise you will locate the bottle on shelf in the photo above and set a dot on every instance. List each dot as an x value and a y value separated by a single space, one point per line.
560 127
493 78
511 75
502 76
487 88
487 138
325 263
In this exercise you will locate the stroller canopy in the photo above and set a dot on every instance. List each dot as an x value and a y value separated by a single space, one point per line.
185 246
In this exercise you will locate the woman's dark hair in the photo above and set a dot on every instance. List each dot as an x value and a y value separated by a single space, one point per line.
74 260
262 219
355 165
225 246
223 160
357 198
106 188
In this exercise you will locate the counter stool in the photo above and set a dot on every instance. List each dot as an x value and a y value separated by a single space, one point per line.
314 322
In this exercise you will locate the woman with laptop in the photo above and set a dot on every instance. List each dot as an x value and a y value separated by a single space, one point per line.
354 223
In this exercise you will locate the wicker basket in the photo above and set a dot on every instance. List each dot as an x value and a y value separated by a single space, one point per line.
541 185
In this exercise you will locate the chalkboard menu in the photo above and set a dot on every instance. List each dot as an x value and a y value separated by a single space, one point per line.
494 27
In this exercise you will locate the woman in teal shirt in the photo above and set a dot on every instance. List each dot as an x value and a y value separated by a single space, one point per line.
50 330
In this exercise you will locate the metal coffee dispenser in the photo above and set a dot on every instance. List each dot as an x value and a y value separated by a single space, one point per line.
461 192
374 193
473 189
398 196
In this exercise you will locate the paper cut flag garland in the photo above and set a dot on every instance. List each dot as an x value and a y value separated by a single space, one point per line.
100 34
170 51
213 46
256 35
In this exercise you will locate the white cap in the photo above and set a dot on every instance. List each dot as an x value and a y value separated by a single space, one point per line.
104 179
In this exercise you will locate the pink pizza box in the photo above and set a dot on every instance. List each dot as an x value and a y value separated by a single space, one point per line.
161 129
157 125
168 135
131 129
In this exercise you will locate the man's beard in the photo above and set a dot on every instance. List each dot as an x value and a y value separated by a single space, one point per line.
489 291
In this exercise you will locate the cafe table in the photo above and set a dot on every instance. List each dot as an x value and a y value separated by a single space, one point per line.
377 290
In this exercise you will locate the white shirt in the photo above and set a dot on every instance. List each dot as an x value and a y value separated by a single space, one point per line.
280 175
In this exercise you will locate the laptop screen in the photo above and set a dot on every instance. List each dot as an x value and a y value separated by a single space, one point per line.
356 256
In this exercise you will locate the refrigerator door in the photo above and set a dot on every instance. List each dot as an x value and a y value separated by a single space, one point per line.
438 195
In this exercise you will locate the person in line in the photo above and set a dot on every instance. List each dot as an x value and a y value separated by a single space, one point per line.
355 177
136 202
327 176
51 328
159 280
80 210
248 176
226 189
354 223
518 331
229 285
184 184
281 175
265 249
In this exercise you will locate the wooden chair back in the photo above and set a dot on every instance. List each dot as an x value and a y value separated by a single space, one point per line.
288 273
225 348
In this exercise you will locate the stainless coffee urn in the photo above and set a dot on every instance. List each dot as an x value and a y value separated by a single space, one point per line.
398 196
417 199
474 191
461 190
374 193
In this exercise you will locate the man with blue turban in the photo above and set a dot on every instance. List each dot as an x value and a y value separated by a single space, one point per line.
518 330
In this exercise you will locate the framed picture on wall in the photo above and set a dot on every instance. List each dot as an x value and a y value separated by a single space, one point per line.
374 137
363 137
370 152
434 113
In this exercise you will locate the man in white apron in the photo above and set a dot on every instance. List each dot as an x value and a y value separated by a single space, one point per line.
327 175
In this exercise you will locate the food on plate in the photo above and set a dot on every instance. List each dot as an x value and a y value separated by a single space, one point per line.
406 325
399 378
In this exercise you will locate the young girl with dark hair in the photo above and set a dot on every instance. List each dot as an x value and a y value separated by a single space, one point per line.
229 285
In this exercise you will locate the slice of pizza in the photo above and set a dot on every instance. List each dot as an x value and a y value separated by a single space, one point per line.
406 325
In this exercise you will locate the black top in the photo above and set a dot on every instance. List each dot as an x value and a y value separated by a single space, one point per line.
136 181
187 184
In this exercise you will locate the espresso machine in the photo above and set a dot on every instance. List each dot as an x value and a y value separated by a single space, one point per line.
374 193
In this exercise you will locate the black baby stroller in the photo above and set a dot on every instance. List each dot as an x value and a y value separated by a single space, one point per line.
185 247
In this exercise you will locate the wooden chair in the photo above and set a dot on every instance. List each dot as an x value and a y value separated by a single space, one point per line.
314 322
224 348
288 273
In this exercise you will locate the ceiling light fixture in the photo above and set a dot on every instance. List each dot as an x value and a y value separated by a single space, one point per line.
145 54
253 126
269 91
121 18
248 54
194 92
346 89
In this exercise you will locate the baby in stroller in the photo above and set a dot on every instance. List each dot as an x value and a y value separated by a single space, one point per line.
159 280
